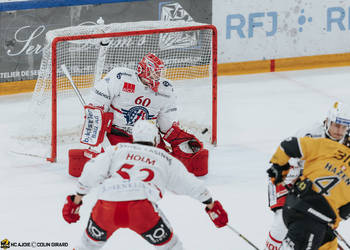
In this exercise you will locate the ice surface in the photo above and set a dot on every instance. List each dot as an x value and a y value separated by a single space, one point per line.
255 113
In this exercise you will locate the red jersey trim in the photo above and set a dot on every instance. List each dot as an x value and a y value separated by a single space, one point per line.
272 238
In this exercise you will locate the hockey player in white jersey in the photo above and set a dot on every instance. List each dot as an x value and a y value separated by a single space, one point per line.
124 96
134 177
333 127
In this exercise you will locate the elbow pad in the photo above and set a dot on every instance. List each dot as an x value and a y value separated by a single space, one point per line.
344 211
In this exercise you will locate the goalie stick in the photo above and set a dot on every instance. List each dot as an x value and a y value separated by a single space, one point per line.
105 143
76 90
242 236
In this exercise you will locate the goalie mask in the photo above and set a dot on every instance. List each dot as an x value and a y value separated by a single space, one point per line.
337 122
145 131
150 69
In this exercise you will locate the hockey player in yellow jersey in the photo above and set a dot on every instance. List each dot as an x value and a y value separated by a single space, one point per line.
332 127
320 198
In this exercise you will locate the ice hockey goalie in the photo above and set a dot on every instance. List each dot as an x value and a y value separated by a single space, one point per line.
124 96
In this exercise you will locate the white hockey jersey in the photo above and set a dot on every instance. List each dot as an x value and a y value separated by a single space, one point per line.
136 172
122 92
297 165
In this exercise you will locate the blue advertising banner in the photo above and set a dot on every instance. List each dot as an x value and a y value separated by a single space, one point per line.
39 4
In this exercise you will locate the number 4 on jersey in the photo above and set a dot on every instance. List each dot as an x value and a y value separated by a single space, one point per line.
325 184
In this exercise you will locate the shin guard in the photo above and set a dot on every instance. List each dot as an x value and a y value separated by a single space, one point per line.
77 160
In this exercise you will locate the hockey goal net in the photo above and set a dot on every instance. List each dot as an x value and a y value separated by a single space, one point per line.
188 49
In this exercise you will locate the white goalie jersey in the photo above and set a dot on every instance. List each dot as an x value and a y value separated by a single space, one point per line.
122 92
136 172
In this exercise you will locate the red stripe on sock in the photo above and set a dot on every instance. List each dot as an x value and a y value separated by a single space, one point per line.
272 238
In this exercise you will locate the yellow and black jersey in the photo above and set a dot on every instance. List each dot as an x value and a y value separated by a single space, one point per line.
327 165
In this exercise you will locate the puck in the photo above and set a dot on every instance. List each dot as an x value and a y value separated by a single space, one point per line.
104 44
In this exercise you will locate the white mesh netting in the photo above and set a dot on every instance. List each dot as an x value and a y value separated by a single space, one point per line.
186 54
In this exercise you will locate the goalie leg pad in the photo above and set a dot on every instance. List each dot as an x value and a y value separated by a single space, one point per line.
77 159
195 163
115 139
118 136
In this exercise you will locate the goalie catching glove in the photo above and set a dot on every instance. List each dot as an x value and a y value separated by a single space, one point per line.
176 136
188 149
70 210
278 173
97 123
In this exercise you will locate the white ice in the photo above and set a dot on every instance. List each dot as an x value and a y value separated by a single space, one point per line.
255 113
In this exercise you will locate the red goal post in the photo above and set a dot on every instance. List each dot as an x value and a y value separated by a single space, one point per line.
192 56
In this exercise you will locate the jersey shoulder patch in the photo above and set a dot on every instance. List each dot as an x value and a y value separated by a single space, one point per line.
123 73
165 89
314 135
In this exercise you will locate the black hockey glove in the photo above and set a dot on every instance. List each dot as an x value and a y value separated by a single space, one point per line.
303 188
344 211
277 173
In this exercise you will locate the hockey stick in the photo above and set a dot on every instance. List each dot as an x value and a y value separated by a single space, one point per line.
26 154
76 90
340 247
341 238
240 235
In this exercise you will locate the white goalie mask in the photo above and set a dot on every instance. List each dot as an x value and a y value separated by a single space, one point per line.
339 114
145 131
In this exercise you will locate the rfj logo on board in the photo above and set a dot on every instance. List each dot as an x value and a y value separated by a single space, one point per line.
175 12
254 24
246 26
303 19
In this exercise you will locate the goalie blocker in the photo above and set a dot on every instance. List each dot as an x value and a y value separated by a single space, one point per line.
185 147
97 123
